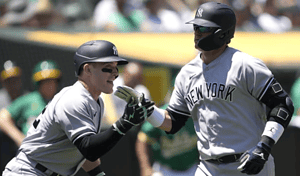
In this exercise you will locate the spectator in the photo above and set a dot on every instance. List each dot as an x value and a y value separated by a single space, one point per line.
295 95
3 7
76 13
132 77
160 19
118 16
245 19
271 21
27 13
102 12
11 82
19 116
184 11
12 88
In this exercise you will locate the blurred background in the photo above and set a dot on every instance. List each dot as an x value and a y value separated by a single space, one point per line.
154 34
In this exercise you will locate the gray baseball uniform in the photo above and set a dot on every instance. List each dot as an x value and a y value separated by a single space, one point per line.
71 114
215 96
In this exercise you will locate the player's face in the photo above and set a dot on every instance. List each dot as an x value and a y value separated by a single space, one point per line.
103 75
48 88
201 32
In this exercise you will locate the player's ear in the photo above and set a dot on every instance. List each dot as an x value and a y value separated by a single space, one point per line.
86 68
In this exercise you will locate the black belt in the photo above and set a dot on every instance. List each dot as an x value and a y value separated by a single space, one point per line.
226 159
44 169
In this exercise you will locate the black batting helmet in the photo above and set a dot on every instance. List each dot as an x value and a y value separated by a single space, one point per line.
96 51
220 16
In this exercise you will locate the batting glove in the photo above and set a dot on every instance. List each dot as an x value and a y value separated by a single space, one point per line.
253 160
134 114
127 93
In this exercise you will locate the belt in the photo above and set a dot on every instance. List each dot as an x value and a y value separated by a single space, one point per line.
44 169
226 159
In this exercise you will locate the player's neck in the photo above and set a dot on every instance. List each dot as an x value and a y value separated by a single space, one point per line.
209 56
95 94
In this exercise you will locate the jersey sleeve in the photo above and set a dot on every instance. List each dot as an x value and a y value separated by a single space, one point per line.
257 76
177 102
75 118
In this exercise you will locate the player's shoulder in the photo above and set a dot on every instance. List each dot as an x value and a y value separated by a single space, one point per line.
242 57
72 95
193 65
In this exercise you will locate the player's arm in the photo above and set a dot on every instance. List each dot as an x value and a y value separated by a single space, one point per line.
142 153
93 147
8 126
167 120
93 168
281 111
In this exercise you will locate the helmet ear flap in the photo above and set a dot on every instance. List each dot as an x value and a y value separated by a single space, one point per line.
221 34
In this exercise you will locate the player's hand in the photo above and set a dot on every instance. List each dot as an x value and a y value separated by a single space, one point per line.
253 160
127 93
135 114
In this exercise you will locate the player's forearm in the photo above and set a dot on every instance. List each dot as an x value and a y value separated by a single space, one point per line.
9 128
90 165
143 158
160 119
94 146
167 124
93 168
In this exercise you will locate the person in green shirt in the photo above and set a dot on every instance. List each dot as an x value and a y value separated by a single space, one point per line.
161 154
172 154
295 95
16 119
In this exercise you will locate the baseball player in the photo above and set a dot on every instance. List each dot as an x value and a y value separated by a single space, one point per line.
19 115
172 155
238 108
66 135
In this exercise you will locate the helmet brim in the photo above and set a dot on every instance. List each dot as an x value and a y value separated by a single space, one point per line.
120 60
203 22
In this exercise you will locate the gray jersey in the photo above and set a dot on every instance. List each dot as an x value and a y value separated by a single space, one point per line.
71 114
223 100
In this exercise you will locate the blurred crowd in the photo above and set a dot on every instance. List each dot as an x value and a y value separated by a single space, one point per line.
274 16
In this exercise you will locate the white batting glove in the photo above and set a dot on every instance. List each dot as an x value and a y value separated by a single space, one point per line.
125 93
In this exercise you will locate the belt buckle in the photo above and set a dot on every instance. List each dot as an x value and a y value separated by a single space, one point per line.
221 159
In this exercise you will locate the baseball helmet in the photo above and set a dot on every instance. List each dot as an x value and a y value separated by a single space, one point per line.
96 51
46 69
10 69
219 16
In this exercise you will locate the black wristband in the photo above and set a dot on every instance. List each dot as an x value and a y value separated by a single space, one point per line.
95 171
267 142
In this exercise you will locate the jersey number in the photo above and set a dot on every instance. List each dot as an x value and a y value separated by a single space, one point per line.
37 121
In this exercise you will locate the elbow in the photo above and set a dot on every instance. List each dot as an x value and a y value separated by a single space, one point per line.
86 149
90 156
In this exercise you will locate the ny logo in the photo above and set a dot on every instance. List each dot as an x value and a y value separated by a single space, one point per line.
199 13
115 50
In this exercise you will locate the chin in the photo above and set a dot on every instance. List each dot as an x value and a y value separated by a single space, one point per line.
108 91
